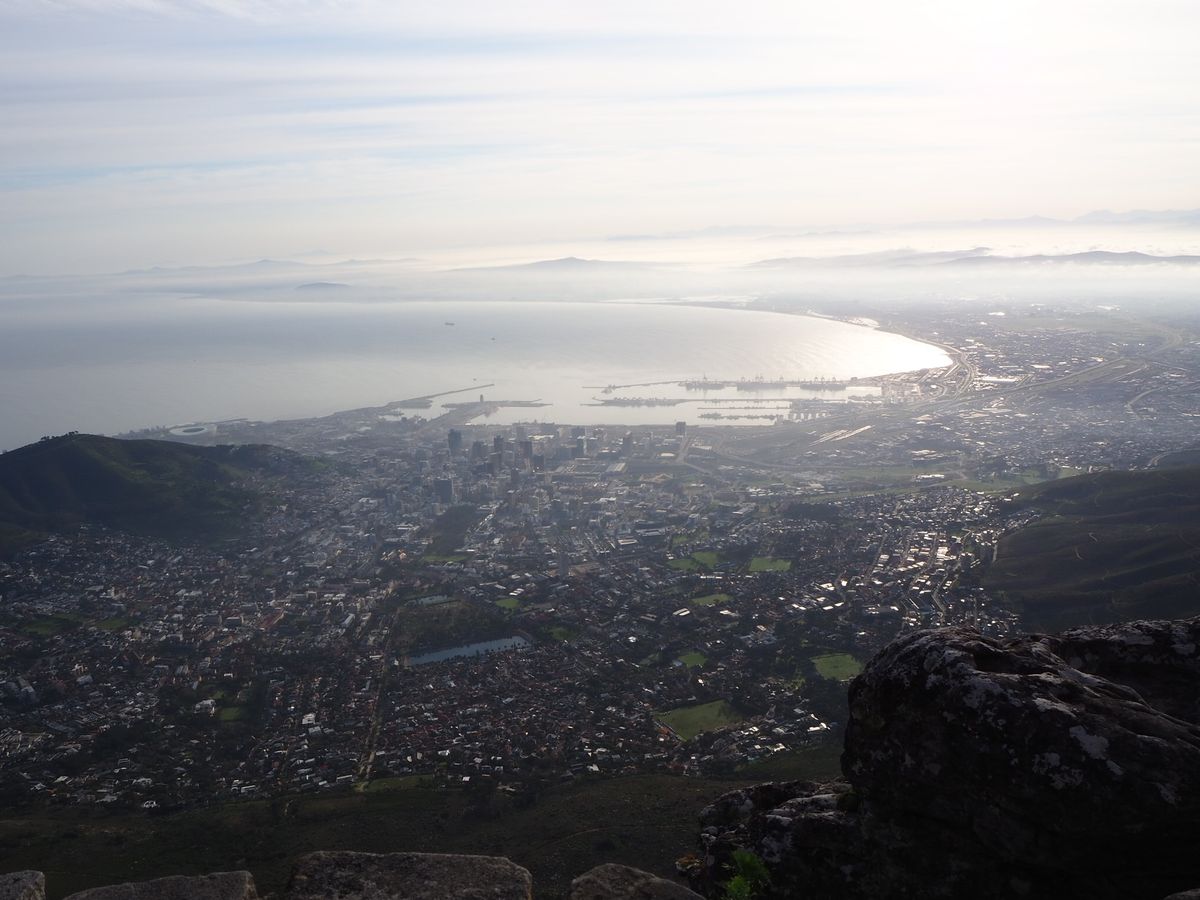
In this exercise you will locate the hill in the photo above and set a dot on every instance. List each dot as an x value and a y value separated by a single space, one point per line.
557 832
167 489
1112 546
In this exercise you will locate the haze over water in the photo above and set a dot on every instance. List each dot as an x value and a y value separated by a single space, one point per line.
220 360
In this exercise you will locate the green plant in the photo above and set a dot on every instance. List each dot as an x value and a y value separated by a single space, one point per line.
750 876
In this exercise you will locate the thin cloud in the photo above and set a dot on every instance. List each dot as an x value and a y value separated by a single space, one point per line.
228 120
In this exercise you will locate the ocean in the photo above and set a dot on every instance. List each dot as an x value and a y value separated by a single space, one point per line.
150 363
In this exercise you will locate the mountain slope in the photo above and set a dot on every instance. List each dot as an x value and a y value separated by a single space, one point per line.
1113 546
162 488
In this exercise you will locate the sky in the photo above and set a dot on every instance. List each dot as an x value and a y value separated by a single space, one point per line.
144 133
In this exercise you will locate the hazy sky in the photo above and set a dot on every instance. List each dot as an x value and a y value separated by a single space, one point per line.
145 132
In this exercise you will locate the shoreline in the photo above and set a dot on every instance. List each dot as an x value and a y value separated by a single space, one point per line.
423 404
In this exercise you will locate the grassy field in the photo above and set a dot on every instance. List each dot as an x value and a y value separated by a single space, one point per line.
444 557
689 721
693 659
701 559
710 599
837 666
769 564
508 603
690 537
115 623
47 626
401 783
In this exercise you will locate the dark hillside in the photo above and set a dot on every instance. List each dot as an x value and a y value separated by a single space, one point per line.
161 488
1112 546
557 832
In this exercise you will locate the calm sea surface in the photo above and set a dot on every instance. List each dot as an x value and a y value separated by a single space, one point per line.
213 360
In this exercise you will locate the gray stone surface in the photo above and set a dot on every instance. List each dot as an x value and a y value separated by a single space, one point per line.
1043 766
218 886
344 875
613 882
27 885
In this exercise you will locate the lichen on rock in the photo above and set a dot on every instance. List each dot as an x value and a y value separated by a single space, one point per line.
1049 764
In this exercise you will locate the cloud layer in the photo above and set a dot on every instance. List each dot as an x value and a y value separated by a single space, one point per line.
145 132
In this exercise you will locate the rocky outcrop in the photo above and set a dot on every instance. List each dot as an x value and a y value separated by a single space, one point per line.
219 886
407 876
27 885
374 876
613 882
1064 765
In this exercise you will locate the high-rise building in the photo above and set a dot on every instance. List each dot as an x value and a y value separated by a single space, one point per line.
454 440
443 489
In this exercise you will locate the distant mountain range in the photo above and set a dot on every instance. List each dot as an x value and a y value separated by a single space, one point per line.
890 258
318 286
1090 257
567 265
161 488
975 257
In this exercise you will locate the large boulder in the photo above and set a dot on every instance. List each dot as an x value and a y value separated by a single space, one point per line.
27 885
613 882
219 886
1065 765
407 876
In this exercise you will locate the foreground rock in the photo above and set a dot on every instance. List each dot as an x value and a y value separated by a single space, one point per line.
25 885
613 882
220 886
1064 765
374 876
407 876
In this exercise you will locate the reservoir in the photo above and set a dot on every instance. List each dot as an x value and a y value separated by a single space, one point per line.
477 649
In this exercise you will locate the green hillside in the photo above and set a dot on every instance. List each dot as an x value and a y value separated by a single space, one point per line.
1112 546
167 489
558 832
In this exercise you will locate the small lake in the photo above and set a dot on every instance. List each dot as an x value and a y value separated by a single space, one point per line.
477 649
